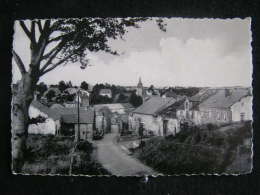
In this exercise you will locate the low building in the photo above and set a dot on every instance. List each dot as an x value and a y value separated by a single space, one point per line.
150 113
70 123
217 105
106 92
51 124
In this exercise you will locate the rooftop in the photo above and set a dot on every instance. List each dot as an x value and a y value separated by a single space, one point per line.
154 105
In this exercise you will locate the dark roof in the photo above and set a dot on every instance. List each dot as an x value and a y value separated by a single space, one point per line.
154 105
48 111
86 117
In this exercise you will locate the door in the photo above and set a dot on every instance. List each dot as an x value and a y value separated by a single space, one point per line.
165 127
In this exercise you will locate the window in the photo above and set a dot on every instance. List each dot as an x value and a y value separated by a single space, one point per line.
242 116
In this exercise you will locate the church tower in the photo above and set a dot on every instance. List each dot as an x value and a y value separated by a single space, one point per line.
139 89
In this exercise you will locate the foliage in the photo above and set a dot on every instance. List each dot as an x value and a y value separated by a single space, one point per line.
50 94
84 85
135 100
48 154
122 98
38 119
196 151
62 86
41 88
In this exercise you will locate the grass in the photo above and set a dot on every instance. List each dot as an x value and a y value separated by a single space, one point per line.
197 151
47 154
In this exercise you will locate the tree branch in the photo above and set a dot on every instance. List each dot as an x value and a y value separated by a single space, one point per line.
19 62
56 64
33 39
25 29
39 26
52 54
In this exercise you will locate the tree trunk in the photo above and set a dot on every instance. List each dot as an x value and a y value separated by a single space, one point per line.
22 98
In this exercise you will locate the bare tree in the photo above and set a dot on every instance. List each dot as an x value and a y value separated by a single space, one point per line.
54 43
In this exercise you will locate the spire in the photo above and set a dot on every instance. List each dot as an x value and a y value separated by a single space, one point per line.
140 83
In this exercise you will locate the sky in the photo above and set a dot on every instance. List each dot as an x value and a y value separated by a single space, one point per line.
192 52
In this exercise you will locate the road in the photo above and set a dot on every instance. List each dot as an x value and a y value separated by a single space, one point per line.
116 161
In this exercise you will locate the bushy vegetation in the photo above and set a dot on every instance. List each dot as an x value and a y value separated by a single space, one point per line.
196 151
48 154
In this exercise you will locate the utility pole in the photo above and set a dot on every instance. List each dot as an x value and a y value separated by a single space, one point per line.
77 138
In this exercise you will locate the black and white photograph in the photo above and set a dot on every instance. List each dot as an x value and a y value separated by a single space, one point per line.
136 96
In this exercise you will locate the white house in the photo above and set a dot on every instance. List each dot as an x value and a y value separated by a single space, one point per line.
242 109
151 114
51 125
106 92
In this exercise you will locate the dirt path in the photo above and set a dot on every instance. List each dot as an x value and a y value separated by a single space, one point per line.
111 156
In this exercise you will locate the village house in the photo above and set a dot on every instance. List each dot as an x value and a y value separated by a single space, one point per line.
70 120
150 113
51 124
217 105
106 92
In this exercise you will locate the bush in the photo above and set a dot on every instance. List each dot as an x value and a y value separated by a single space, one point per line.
51 155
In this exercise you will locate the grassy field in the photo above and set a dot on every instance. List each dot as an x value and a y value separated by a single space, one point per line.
51 155
200 151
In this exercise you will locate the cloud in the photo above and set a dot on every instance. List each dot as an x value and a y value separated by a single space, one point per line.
191 53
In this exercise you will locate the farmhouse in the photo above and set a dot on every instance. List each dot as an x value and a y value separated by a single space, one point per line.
51 124
151 114
217 105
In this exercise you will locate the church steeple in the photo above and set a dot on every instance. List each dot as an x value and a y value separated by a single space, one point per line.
139 90
140 85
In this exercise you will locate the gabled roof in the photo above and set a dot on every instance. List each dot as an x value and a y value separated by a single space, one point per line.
48 111
154 105
225 98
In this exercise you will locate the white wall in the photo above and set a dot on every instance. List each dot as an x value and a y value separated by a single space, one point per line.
243 106
48 127
154 124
